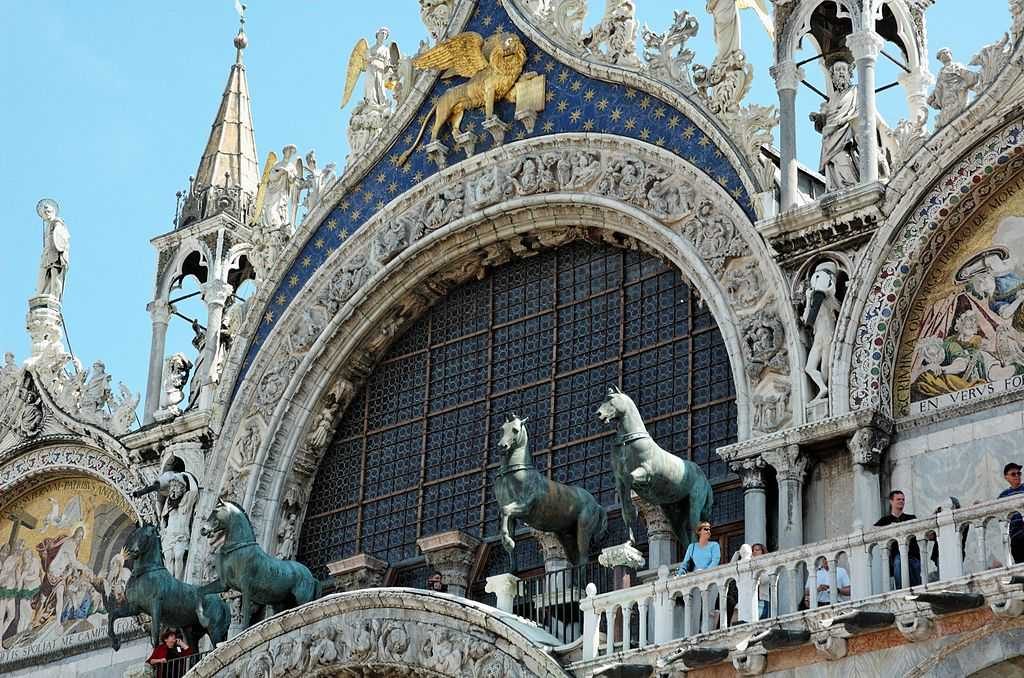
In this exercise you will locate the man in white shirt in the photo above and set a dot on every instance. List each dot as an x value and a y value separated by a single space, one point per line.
824 583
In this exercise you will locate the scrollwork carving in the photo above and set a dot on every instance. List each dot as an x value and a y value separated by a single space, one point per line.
613 40
668 58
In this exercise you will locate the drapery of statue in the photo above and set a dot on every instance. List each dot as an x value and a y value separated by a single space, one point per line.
572 514
53 268
60 560
964 335
640 465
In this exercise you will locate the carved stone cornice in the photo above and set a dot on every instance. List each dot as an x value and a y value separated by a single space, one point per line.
837 220
866 445
824 430
789 462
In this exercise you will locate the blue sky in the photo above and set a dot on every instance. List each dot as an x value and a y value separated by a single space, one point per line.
107 107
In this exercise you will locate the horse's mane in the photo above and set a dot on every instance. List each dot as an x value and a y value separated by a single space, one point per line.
240 510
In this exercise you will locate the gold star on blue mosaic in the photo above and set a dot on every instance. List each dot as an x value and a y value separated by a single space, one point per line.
549 126
381 178
588 125
659 112
393 187
281 299
576 86
631 123
379 206
645 103
645 134
575 116
689 132
616 114
589 95
319 244
562 105
268 317
293 280
332 224
602 104
307 261
673 122
630 93
563 75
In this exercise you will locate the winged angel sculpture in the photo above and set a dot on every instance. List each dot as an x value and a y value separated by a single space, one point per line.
380 63
493 67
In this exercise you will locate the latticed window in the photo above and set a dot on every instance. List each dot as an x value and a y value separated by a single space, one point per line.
416 451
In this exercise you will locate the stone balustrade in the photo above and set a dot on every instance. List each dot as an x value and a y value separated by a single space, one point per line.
969 540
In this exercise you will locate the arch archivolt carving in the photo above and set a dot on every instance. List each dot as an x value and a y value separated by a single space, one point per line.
385 632
34 466
919 227
502 204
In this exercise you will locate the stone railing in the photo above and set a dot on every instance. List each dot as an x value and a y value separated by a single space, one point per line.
969 541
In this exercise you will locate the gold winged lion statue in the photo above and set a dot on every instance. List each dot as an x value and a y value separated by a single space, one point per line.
493 67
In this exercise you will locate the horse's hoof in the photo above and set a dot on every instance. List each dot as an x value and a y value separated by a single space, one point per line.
116 644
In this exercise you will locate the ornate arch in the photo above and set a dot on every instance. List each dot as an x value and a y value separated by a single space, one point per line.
975 651
386 632
912 240
454 224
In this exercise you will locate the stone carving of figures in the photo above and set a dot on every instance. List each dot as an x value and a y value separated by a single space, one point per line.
617 31
286 547
123 417
363 126
249 445
379 62
526 177
199 374
53 268
666 53
280 203
435 15
725 83
8 379
952 85
726 16
586 168
182 493
96 393
176 371
665 195
316 182
837 121
821 313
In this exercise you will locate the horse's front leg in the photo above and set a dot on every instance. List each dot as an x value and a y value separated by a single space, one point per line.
114 612
624 490
154 631
215 586
246 610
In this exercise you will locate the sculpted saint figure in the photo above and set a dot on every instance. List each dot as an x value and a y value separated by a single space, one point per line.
56 250
951 88
821 312
176 519
837 121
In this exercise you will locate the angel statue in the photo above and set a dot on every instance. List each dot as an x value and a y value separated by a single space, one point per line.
277 198
380 63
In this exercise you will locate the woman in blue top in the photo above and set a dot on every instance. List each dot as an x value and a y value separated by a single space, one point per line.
704 554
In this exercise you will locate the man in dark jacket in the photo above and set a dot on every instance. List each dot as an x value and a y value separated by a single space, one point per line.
897 500
1012 474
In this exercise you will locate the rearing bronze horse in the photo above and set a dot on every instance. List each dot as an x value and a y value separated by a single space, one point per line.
523 493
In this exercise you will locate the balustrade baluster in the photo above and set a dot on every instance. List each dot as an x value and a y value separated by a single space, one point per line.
609 630
886 567
642 611
904 546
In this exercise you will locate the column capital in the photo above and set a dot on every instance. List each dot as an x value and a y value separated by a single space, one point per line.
788 461
451 555
216 292
750 471
653 516
159 311
551 548
866 446
360 571
787 75
864 44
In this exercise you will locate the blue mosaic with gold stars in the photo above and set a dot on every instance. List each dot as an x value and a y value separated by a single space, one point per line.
575 103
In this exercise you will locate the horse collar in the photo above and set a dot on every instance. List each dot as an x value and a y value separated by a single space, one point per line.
225 551
512 469
633 437
148 569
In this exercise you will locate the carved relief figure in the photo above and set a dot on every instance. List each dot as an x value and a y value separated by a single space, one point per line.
176 371
288 538
617 32
837 121
379 62
821 312
53 268
952 85
435 15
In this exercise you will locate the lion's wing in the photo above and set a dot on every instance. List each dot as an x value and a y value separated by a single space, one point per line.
460 55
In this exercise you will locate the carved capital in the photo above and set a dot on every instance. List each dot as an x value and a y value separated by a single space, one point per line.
554 554
653 516
866 446
787 75
360 571
159 311
750 471
451 554
865 44
622 555
789 462
216 292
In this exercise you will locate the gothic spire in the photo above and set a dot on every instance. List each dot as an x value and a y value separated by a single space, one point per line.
229 167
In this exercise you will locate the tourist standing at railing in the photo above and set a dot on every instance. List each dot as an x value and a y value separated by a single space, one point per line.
171 647
824 585
897 501
702 554
764 586
1012 474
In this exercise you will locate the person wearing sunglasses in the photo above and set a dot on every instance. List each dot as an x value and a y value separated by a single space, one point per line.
1012 474
702 554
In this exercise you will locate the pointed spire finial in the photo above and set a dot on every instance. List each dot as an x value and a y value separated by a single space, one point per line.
241 40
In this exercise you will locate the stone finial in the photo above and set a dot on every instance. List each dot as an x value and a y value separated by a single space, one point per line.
360 571
451 554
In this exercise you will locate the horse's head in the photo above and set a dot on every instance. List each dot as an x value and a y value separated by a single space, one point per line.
513 433
224 522
615 405
144 539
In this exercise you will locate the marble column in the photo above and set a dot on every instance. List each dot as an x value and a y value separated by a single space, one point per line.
866 447
755 506
215 295
505 588
791 467
159 313
45 326
451 554
660 540
787 78
865 46
360 571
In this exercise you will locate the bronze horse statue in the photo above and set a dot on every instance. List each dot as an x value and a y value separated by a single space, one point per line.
169 601
245 567
523 493
640 465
